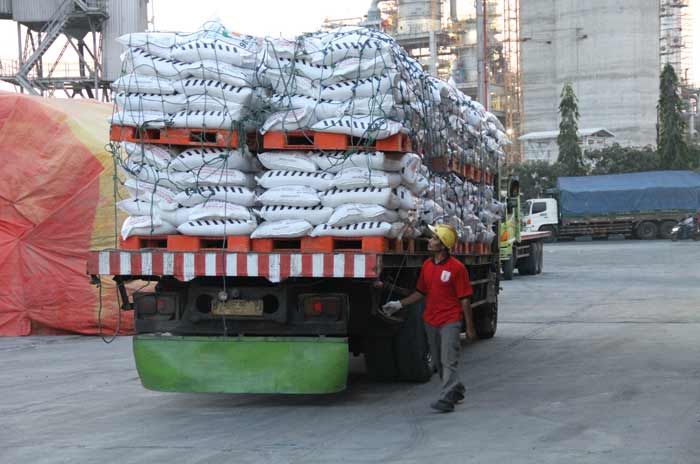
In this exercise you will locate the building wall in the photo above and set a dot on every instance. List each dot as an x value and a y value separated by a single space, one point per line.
608 49
125 16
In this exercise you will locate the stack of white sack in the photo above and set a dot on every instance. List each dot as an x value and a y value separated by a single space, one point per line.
358 81
207 79
344 81
199 191
339 194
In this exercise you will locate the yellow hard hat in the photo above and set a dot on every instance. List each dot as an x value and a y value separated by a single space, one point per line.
445 233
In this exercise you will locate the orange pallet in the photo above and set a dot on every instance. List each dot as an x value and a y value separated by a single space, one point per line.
333 244
312 140
138 242
186 243
466 171
187 137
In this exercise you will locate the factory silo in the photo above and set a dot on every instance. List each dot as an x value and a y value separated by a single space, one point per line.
125 16
608 50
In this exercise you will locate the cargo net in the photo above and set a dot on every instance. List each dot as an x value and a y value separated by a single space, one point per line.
352 81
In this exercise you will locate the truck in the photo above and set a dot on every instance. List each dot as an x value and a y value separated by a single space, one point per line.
275 317
234 314
519 249
644 205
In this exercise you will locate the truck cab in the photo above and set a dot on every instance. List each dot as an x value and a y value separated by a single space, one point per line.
541 214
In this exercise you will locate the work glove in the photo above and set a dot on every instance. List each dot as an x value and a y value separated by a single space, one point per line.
391 307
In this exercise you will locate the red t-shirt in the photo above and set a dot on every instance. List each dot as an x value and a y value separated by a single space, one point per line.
444 285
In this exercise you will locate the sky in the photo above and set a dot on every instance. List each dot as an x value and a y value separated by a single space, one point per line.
255 17
268 17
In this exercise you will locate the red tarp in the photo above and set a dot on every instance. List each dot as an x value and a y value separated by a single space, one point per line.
56 202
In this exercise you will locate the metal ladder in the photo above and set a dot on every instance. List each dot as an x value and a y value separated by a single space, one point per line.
50 32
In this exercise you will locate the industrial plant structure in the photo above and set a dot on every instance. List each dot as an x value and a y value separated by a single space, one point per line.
515 56
69 45
512 55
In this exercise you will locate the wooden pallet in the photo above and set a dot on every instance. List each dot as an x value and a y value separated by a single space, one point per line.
184 137
312 140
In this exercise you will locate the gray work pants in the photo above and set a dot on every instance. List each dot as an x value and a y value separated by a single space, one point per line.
444 349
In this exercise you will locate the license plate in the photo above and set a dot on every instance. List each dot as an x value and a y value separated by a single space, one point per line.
247 308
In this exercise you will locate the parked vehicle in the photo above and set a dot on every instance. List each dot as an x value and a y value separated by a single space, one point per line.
644 205
685 229
519 250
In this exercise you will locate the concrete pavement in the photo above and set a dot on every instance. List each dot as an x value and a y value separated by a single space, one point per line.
597 360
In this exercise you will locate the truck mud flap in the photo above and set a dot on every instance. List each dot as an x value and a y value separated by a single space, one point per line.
294 365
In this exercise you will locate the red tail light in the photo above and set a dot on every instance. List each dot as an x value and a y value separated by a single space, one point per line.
323 307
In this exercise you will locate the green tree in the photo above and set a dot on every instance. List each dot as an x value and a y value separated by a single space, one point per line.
673 150
570 154
535 177
619 160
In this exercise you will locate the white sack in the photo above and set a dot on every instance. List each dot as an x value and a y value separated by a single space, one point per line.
194 158
334 162
358 88
288 120
140 118
314 215
351 178
316 180
146 225
136 83
362 229
407 200
217 227
157 156
287 161
213 49
223 72
353 213
137 207
367 195
140 62
150 102
213 88
291 228
361 126
293 195
205 119
219 210
239 195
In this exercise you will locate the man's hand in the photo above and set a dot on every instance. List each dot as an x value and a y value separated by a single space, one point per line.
391 307
471 333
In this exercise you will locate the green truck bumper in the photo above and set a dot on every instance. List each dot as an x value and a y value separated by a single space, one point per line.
242 364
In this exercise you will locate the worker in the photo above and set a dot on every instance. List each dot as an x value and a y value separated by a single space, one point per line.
444 282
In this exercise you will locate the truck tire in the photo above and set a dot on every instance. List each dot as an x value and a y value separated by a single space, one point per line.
486 320
646 230
508 267
665 229
528 265
553 230
411 348
379 358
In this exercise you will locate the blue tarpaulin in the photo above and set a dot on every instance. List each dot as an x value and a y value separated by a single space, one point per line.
638 192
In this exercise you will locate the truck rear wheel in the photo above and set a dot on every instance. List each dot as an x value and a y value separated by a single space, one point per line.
411 348
528 265
508 267
646 230
486 320
379 358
